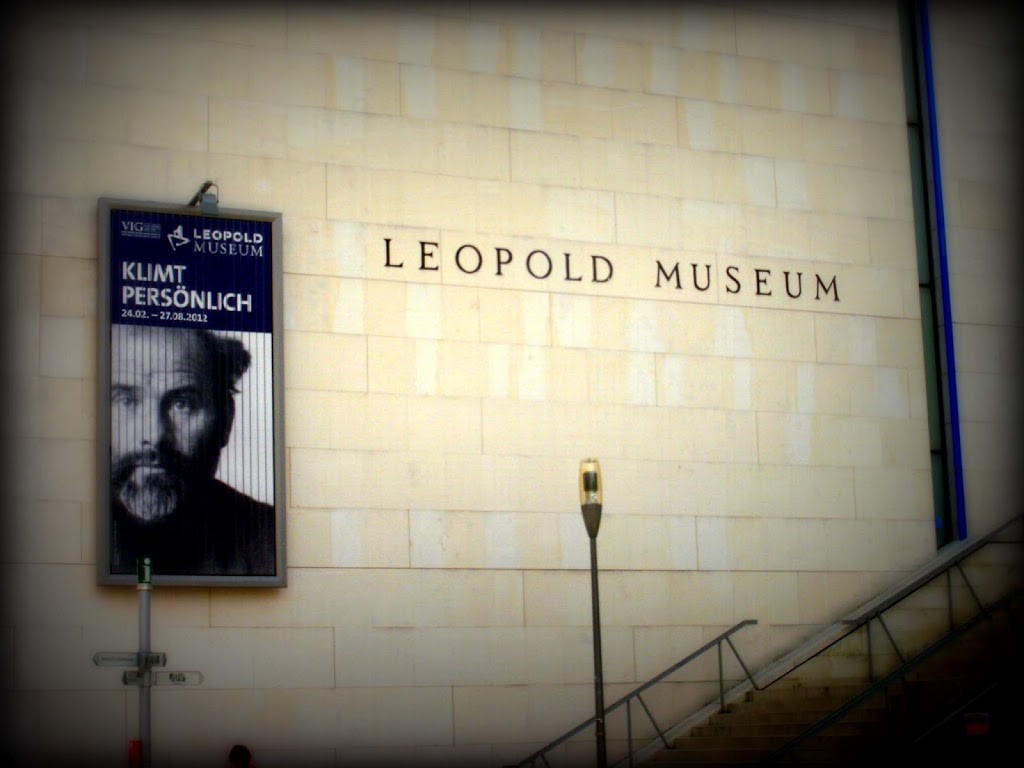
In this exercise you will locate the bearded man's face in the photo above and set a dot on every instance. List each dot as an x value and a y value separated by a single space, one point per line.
165 429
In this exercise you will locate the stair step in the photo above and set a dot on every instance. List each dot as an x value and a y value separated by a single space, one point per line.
731 755
772 741
829 751
805 703
792 716
784 730
744 741
845 687
734 757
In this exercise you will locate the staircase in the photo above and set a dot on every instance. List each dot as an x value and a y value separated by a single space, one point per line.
959 696
943 678
750 730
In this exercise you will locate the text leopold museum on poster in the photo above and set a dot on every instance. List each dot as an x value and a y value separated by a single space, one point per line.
167 285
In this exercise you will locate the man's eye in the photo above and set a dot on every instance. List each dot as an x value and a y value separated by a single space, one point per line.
183 403
122 397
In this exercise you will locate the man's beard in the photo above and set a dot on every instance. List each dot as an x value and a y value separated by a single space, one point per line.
149 493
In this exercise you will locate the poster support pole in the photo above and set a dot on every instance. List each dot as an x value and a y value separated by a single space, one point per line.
145 591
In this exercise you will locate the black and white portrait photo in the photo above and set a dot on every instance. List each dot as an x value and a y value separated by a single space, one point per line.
174 403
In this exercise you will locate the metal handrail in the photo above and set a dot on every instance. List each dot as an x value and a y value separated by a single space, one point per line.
953 556
897 675
725 637
949 557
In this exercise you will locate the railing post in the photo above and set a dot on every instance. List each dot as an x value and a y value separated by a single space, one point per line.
629 731
949 597
871 657
721 678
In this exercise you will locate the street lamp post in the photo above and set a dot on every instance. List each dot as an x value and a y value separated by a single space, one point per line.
591 494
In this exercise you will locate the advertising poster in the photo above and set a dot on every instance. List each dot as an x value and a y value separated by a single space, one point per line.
191 444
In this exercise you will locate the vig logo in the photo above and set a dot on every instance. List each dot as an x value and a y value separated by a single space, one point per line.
145 229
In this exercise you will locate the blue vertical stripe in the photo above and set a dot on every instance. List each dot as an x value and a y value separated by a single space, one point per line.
940 227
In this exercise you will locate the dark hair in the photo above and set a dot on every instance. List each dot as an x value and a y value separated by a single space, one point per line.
240 756
227 360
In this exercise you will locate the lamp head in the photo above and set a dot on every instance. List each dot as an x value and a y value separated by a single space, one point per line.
591 490
591 493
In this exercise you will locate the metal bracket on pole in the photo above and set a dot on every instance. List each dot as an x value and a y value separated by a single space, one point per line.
143 661
129 659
